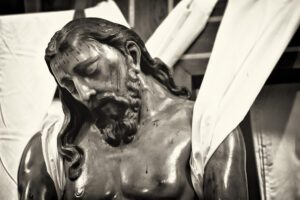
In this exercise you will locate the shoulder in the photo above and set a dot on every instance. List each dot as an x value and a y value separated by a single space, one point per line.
183 109
32 153
177 117
232 146
33 180
231 149
188 106
185 115
224 174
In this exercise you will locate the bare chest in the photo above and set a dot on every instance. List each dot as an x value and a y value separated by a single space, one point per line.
153 166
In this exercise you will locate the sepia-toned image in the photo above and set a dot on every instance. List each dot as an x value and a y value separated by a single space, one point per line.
149 100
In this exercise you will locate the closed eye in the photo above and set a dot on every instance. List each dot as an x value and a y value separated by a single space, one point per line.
88 67
90 70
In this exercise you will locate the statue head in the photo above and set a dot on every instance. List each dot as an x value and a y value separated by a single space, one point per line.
96 64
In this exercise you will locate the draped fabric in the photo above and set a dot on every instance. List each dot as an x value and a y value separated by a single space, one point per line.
251 38
26 86
275 125
51 127
180 28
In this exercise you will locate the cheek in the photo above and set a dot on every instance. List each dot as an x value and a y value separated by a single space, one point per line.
111 78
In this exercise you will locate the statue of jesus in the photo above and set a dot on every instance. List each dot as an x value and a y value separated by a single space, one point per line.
127 127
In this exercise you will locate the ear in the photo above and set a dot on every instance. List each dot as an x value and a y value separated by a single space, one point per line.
134 52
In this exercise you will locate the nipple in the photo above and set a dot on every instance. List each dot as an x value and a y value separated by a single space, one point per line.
80 185
79 193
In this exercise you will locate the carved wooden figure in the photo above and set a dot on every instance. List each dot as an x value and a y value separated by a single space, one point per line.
127 133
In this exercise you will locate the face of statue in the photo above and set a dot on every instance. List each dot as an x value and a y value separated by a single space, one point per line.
100 77
90 72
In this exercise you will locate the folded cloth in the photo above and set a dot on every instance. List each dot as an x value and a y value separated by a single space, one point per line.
180 28
26 86
251 38
51 127
275 126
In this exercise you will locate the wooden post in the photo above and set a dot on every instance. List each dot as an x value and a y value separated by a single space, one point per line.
32 6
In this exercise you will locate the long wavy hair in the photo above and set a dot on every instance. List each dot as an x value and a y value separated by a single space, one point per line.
76 114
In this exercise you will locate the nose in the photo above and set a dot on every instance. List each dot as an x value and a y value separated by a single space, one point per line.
84 92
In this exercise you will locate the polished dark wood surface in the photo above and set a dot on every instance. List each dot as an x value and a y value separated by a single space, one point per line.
225 173
153 166
34 181
143 171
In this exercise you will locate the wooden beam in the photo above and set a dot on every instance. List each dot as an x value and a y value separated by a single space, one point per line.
32 6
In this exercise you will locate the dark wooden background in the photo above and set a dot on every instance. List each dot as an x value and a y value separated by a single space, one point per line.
145 15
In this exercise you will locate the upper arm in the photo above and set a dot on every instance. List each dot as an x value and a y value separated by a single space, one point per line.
34 181
225 172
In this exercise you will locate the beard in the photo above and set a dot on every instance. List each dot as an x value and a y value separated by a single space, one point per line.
117 116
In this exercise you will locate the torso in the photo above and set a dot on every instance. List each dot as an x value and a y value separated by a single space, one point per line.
155 165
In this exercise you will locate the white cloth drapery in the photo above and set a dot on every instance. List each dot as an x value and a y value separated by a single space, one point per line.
51 127
274 124
181 27
251 38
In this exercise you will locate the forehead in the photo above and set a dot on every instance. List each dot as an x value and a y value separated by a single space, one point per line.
81 52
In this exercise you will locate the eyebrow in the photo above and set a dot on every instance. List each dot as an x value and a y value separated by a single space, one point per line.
80 66
56 71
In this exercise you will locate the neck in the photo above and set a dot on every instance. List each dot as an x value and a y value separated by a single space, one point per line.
153 96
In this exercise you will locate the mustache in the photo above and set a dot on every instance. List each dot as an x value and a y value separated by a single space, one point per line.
99 99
